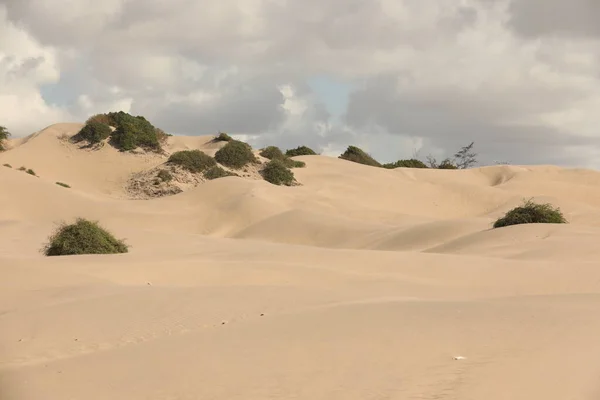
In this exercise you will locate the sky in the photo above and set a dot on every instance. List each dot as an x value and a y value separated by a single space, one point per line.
398 78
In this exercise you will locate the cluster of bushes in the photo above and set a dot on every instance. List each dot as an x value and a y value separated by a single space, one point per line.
234 154
195 161
129 131
275 153
464 158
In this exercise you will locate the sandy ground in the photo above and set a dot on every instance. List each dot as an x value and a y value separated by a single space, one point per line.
362 283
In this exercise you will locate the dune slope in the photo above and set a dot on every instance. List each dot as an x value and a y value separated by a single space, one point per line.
363 283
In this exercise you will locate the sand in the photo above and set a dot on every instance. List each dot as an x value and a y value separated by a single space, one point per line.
362 283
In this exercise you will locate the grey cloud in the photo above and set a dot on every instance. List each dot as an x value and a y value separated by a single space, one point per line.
556 17
250 109
449 120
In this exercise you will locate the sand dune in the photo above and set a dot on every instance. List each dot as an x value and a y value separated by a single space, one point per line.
362 283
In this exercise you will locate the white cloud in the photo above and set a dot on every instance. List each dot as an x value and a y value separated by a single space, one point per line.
24 66
432 74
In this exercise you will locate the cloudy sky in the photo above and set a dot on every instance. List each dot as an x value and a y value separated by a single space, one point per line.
520 78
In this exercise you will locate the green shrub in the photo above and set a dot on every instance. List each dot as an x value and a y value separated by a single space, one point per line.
223 137
93 132
131 132
31 172
531 213
357 155
22 169
217 172
83 237
7 165
447 164
192 160
161 135
277 173
101 119
63 184
235 154
4 134
412 163
272 153
164 175
300 151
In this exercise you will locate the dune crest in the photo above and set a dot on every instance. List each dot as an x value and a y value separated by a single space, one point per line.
363 282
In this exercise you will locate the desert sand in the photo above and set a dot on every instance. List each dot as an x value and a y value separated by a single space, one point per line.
362 283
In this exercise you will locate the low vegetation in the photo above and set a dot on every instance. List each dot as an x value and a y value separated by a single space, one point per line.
63 184
223 137
27 170
130 131
272 153
93 132
4 135
192 160
463 159
217 172
412 163
277 173
531 213
83 237
235 154
164 176
357 155
275 153
300 151
296 163
447 164
7 165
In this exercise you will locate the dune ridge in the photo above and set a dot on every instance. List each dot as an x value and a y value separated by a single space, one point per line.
361 283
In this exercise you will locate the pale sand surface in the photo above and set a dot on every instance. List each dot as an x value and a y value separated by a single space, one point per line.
362 283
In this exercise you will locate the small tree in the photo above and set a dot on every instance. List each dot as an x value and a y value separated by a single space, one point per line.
465 158
4 134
